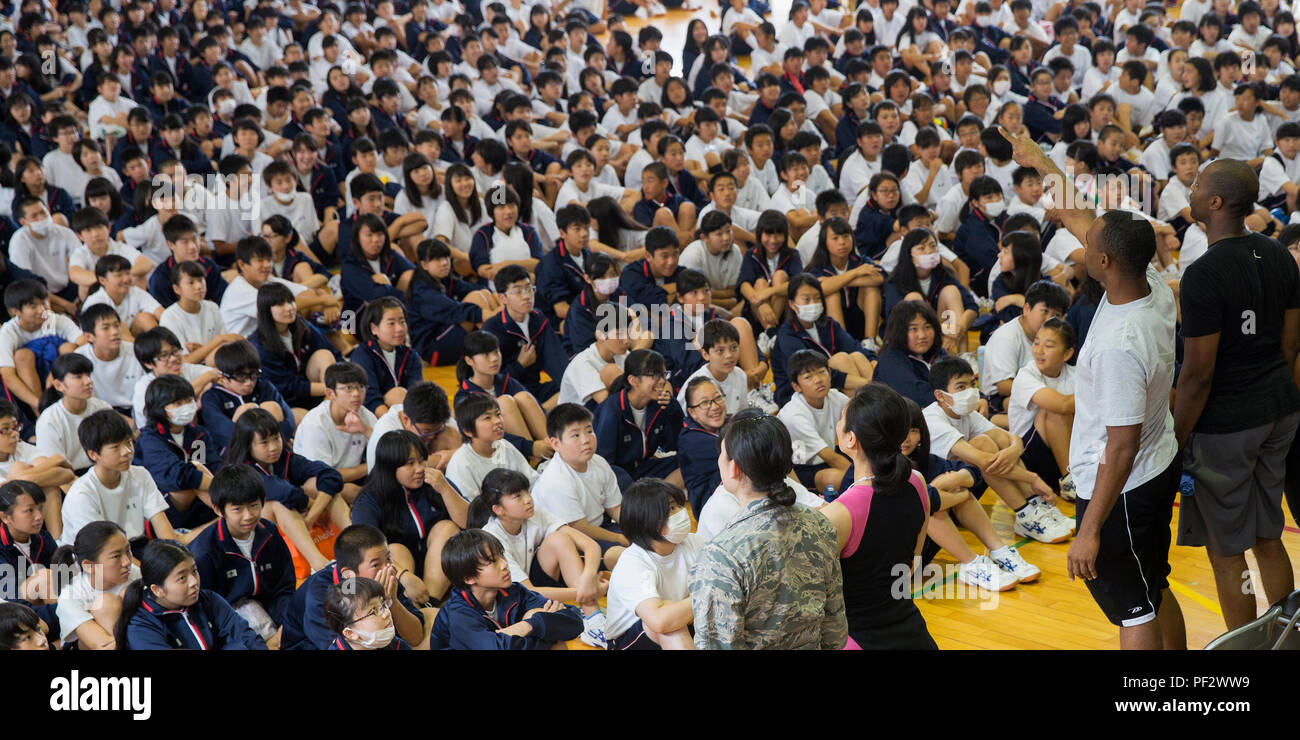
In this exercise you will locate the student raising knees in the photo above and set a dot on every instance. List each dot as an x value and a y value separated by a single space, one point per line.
243 557
19 462
68 400
478 416
1041 408
529 342
444 308
241 388
177 452
487 610
294 352
91 602
360 612
579 486
166 610
637 425
544 554
415 508
767 270
806 326
391 365
479 371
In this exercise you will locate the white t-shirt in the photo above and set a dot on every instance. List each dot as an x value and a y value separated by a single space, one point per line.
582 375
84 258
1021 409
114 379
915 179
135 302
99 107
1142 105
200 328
508 246
641 575
1123 377
946 431
13 337
812 430
570 193
24 453
239 303
79 597
1275 172
735 388
521 548
458 233
56 433
319 439
571 495
722 270
301 212
1008 350
722 507
1239 139
1176 196
188 371
135 500
46 257
466 469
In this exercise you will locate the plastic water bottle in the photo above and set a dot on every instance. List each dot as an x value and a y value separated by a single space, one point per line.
830 494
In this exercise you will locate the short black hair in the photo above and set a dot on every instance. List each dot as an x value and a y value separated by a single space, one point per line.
563 416
163 391
342 373
238 485
103 428
716 331
88 218
804 360
660 237
110 263
1048 292
1063 330
508 275
252 247
237 358
1127 239
21 292
469 409
187 268
943 371
352 543
466 552
426 403
644 511
91 315
149 344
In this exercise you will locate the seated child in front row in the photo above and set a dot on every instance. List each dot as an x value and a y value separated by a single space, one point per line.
138 310
384 353
959 432
68 400
240 389
637 425
545 555
479 371
649 602
360 551
1041 408
810 416
488 610
478 416
89 604
360 613
243 557
309 487
294 353
178 453
578 485
806 326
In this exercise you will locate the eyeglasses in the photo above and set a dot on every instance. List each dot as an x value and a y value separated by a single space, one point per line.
521 292
350 388
430 434
718 401
174 354
10 430
658 376
378 611
252 377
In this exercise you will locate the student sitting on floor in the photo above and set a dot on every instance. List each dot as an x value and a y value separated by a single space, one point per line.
697 445
178 453
196 321
360 551
1011 346
68 400
243 557
241 388
592 371
182 238
543 552
579 485
1041 407
649 602
529 343
921 276
637 425
443 307
479 371
335 432
959 432
719 344
31 339
911 346
810 416
116 368
89 604
137 309
806 326
412 505
505 240
478 416
294 353
384 353
850 282
768 269
360 612
488 610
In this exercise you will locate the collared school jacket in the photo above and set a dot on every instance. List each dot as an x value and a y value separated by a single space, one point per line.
160 281
754 267
424 509
304 626
551 356
908 374
324 189
792 337
697 452
873 229
283 479
407 370
559 278
219 404
172 466
267 576
580 324
430 312
462 624
284 370
357 280
16 563
208 624
397 644
641 286
624 444
480 247
976 244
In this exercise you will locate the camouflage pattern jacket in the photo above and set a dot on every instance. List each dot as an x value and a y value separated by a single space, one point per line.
770 581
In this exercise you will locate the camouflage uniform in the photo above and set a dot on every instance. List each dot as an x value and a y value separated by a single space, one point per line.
770 580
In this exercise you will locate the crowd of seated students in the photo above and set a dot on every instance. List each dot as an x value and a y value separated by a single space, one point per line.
238 235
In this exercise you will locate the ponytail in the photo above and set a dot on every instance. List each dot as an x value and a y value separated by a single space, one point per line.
49 397
132 598
760 446
889 468
159 559
480 512
879 419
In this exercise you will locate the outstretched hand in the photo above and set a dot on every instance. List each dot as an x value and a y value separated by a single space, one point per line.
1024 150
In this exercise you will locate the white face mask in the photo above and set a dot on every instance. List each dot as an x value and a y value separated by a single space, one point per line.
964 402
995 208
285 198
606 286
810 312
927 261
40 228
376 639
226 107
183 414
1000 87
984 20
679 525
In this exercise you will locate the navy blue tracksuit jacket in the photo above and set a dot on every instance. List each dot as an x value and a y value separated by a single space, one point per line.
267 576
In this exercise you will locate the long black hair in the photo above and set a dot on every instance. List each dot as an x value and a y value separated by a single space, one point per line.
159 559
920 457
472 213
877 416
63 366
273 294
610 218
904 276
377 226
248 427
822 256
520 177
392 452
282 226
1028 259
101 187
597 266
904 313
429 249
803 280
759 444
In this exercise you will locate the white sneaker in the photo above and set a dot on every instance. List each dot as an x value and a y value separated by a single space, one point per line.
657 9
765 342
758 399
869 344
1036 522
1009 560
593 630
984 573
641 13
1067 487
985 305
1057 516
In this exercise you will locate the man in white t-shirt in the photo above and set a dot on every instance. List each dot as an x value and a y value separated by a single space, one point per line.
810 416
